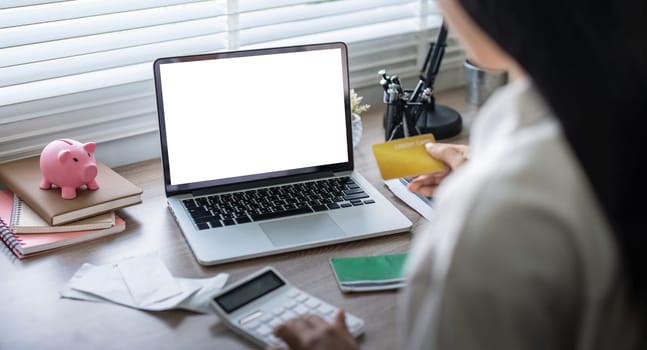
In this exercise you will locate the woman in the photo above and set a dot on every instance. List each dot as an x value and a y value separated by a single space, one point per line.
536 241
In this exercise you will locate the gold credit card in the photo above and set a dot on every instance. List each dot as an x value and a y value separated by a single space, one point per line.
406 157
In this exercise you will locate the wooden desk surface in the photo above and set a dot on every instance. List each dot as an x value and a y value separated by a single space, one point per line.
33 316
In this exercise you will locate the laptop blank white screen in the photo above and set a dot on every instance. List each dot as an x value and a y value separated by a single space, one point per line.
239 116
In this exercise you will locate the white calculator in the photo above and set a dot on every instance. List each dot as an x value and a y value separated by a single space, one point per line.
254 305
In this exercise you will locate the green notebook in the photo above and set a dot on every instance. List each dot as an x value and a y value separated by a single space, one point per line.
369 273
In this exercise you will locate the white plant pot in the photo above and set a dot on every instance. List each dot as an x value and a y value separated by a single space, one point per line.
356 126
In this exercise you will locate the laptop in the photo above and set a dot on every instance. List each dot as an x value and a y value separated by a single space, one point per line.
257 153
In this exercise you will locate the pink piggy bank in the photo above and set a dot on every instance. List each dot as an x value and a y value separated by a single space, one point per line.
68 164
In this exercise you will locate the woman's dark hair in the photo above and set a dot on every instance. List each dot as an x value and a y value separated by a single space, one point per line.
588 58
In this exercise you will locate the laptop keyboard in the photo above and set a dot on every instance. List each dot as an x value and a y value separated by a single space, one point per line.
275 202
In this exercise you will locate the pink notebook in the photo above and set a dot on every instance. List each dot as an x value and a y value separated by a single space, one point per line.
28 244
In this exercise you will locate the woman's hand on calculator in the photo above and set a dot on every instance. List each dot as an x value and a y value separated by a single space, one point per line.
314 333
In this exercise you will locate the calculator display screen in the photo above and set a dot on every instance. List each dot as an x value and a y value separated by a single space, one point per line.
249 291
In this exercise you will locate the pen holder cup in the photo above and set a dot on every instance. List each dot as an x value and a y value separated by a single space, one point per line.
481 83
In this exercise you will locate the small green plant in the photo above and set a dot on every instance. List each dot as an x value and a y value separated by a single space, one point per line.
355 103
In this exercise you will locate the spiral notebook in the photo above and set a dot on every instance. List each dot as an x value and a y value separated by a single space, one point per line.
25 220
29 244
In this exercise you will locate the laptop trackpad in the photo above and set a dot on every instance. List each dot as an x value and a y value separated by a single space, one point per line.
306 229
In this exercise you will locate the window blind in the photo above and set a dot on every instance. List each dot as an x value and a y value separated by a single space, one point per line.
83 69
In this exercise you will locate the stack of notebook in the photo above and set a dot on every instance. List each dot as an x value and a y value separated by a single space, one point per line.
34 221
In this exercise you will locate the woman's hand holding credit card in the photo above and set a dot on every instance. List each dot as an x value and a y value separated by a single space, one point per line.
406 157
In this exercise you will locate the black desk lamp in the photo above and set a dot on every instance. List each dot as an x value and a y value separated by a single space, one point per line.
414 112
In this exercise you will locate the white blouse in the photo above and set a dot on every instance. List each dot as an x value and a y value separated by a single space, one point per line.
519 254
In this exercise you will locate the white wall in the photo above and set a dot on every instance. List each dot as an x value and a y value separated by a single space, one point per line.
129 150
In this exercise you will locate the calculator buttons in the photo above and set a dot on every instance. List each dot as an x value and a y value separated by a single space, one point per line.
353 323
265 300
251 325
289 315
312 303
264 331
251 317
261 323
278 311
275 322
266 318
325 309
272 340
301 309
